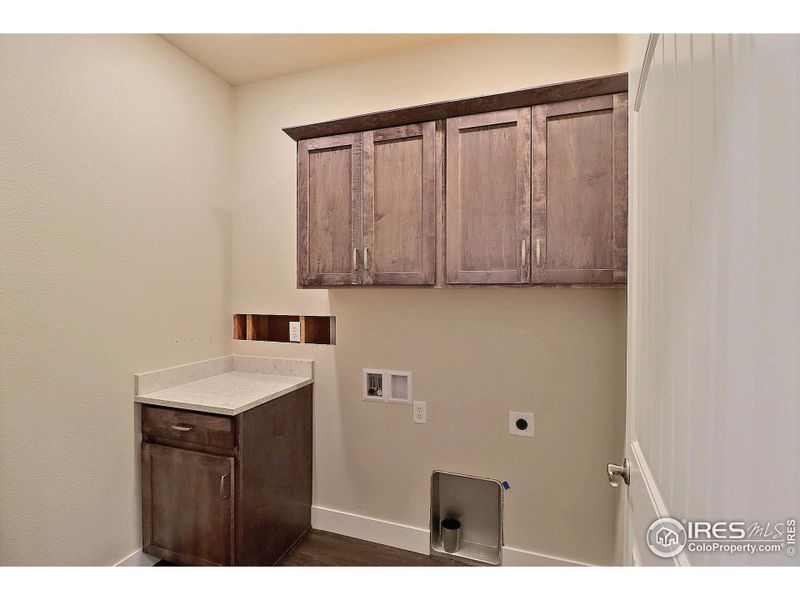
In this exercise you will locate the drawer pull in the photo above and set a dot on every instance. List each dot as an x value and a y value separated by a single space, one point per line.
222 493
182 427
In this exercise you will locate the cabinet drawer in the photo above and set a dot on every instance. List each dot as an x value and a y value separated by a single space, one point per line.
187 426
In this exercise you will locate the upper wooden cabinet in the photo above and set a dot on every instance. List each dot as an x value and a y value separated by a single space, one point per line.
488 197
329 210
399 219
524 188
580 192
367 208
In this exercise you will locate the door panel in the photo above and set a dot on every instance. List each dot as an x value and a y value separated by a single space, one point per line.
488 197
399 205
329 208
579 191
187 505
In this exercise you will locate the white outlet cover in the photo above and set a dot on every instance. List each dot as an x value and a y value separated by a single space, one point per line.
526 430
419 412
294 331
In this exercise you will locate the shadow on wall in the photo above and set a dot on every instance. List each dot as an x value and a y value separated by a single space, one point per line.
475 354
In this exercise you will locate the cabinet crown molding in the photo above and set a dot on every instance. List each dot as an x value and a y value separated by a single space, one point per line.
570 90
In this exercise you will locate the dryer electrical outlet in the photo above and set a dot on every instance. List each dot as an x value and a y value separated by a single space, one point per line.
520 423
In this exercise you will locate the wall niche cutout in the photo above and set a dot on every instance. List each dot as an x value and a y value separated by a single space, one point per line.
276 328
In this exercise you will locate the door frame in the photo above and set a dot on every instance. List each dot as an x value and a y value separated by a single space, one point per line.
643 502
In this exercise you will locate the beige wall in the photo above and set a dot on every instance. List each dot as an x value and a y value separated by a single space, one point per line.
118 247
115 233
475 353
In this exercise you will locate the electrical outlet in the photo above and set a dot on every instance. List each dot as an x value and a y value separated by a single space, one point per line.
420 412
294 331
520 423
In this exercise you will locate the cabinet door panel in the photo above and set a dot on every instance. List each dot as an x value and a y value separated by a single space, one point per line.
329 208
488 197
187 505
579 192
399 205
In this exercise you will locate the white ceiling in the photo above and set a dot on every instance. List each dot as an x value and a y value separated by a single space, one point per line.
245 58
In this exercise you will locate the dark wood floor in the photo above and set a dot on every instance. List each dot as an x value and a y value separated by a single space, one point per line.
324 549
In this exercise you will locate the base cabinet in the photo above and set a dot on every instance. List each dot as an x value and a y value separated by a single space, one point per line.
245 504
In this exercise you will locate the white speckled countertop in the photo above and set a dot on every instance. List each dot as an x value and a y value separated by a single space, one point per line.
227 385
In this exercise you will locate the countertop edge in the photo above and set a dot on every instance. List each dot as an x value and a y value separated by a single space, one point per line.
230 412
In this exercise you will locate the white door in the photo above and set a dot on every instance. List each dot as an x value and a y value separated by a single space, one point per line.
713 395
643 502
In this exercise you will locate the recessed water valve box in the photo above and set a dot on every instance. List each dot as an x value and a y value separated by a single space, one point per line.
400 387
373 381
381 385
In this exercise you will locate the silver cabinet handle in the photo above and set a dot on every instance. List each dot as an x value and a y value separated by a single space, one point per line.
222 494
366 257
524 258
538 252
617 472
182 427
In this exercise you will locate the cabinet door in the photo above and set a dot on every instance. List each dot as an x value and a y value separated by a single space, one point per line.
187 505
488 197
400 205
329 210
580 196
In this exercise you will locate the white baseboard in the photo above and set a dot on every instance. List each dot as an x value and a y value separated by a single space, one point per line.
387 533
415 539
514 557
137 558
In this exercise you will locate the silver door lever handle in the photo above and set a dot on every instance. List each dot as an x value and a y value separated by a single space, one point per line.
617 472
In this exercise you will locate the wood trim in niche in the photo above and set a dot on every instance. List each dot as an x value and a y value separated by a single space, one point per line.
570 90
275 328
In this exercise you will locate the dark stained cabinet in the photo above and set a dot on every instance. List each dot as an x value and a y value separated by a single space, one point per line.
329 210
524 188
580 191
399 218
219 490
188 498
488 197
